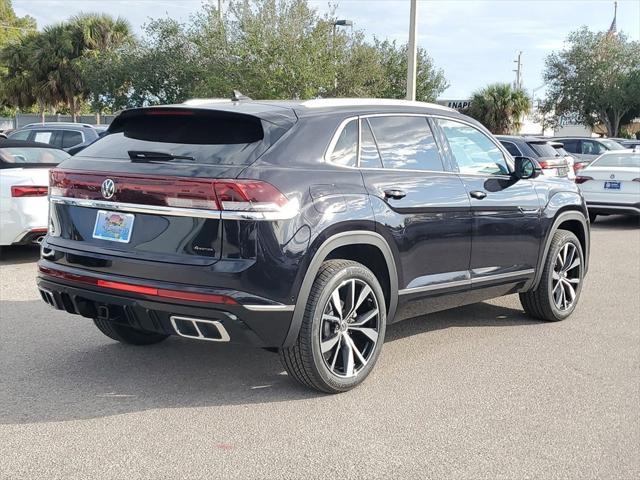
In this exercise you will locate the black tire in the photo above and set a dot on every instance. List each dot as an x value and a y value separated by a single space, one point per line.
592 217
540 303
128 335
304 361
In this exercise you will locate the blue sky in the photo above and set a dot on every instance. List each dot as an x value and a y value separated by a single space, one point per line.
474 41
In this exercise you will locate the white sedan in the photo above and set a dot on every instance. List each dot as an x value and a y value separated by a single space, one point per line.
24 180
611 184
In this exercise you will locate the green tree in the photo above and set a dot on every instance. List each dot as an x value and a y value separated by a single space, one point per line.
500 108
597 78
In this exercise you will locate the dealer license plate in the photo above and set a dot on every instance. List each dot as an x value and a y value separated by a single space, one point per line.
113 226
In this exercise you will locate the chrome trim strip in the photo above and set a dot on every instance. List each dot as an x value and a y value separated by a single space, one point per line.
286 214
500 276
270 308
435 286
461 283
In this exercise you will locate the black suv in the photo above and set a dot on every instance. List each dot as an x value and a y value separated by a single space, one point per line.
304 227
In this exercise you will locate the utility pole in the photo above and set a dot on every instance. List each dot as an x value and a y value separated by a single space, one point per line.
220 9
412 51
518 71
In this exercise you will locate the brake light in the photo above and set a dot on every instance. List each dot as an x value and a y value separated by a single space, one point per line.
29 191
578 165
169 112
582 179
197 193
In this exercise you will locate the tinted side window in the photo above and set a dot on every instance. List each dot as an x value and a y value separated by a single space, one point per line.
345 152
52 137
473 150
369 155
21 135
590 147
511 148
71 138
406 143
570 146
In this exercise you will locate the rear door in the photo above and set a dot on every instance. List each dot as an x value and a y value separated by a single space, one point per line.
419 200
506 211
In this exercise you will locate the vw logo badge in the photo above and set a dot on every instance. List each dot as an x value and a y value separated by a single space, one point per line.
108 188
612 176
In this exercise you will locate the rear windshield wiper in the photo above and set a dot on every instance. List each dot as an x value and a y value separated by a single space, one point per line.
145 156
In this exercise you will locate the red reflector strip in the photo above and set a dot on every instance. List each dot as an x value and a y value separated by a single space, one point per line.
168 112
141 289
29 191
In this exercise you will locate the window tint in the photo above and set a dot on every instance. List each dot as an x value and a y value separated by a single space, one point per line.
589 147
406 143
345 151
71 138
21 135
631 160
11 157
473 150
511 148
211 137
570 145
369 155
544 149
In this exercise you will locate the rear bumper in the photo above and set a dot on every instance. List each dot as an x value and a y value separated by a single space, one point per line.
613 208
262 325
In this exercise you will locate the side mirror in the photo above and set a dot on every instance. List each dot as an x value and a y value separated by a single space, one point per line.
526 167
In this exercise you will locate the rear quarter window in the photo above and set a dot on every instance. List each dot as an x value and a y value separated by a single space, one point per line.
215 138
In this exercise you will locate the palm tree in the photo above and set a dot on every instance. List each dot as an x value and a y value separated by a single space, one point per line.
500 108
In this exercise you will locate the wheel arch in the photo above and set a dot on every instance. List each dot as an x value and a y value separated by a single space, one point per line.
366 247
573 220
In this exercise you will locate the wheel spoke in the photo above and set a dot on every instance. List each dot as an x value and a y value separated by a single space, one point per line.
331 318
335 300
335 355
555 275
571 253
571 290
364 318
355 349
369 332
328 345
574 264
347 357
364 293
573 280
555 288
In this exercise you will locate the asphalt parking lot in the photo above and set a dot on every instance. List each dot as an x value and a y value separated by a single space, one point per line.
478 392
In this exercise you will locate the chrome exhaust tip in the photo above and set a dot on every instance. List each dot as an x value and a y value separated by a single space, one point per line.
199 329
39 240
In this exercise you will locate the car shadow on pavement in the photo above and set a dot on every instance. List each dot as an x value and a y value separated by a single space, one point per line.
616 222
15 254
66 370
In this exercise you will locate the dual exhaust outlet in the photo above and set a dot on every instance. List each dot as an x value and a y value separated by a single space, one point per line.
199 329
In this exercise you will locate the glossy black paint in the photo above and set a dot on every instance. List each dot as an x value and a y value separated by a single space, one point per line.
441 245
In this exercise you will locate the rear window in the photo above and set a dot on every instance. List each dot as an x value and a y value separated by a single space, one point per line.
217 138
18 157
544 149
612 145
631 160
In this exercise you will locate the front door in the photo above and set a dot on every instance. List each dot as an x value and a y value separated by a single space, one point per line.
420 201
506 211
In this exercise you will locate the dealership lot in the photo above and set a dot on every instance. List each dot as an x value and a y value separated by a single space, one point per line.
478 392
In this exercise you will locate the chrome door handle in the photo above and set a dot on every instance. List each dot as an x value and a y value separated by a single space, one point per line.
478 194
395 193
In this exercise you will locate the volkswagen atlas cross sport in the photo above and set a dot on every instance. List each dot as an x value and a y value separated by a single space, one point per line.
304 228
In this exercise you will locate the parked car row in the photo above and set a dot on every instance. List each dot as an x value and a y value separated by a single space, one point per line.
71 137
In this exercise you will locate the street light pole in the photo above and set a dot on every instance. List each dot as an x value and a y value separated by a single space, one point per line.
337 23
412 52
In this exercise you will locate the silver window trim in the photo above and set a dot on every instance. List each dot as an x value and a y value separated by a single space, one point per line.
506 155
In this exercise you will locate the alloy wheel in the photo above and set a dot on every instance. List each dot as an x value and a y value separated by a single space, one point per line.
349 328
565 280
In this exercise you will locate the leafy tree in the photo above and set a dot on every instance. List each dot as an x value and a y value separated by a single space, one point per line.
500 108
596 78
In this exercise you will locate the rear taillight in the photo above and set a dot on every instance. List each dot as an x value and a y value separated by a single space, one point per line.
261 199
29 191
578 166
582 179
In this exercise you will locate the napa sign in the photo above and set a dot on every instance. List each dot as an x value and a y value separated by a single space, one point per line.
455 104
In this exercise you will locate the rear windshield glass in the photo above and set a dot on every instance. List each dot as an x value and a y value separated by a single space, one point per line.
16 157
619 160
544 149
612 145
218 138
